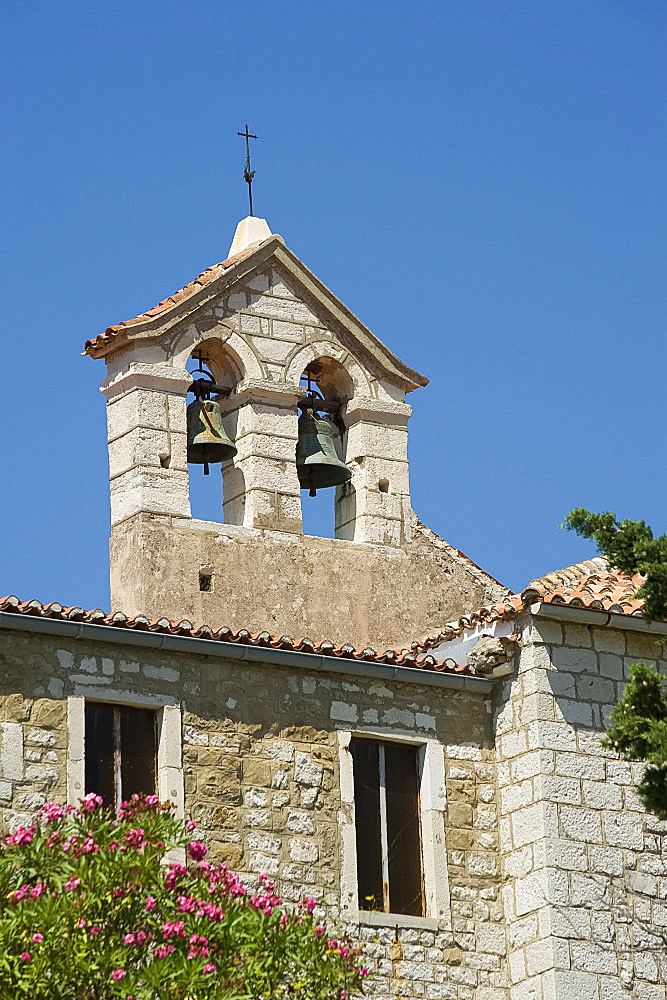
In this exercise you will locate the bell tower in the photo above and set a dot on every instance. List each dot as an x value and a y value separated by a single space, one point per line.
292 394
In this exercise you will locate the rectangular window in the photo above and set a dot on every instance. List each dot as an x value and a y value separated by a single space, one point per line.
386 802
120 751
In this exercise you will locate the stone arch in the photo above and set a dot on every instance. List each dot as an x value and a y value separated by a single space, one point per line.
343 375
232 359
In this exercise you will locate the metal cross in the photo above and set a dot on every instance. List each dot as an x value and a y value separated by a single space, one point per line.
248 174
199 356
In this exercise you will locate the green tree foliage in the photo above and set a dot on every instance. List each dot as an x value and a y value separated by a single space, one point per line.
638 729
629 547
91 910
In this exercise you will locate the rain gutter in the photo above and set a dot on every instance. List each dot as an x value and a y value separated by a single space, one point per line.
237 651
584 616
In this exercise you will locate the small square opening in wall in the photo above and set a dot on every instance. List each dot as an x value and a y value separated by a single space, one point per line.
383 485
206 582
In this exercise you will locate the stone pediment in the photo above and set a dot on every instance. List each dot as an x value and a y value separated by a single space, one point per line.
268 301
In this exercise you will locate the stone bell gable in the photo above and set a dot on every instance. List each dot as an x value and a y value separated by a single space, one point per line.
262 319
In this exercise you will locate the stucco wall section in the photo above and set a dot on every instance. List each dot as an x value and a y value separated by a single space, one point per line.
293 584
261 775
584 867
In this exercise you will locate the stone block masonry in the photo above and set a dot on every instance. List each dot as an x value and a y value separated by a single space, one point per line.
555 880
584 867
259 761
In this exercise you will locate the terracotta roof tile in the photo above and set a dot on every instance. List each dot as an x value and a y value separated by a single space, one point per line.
589 584
394 657
203 279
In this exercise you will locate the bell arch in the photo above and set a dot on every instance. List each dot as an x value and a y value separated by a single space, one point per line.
348 379
322 442
229 352
213 498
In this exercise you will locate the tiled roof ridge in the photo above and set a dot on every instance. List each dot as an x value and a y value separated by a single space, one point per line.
570 574
201 281
590 584
394 657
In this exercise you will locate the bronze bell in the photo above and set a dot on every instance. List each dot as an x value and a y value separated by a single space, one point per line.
317 463
207 441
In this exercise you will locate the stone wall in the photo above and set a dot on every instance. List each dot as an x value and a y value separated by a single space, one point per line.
260 759
585 869
556 878
296 585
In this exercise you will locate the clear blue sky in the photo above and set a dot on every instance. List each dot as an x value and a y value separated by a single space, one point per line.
481 182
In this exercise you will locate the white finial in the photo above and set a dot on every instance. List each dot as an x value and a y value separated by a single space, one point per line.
249 230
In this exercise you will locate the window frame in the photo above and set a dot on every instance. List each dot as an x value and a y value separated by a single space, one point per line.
432 805
169 770
119 747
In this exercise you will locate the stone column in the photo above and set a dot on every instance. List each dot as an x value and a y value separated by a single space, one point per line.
260 485
147 441
375 505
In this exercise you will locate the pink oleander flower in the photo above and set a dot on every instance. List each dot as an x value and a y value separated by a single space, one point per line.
89 846
37 938
208 968
73 883
129 939
52 812
135 837
309 904
163 950
175 871
171 927
190 826
92 801
141 937
22 836
197 850
95 930
25 956
152 800
118 974
363 972
81 924
150 904
319 929
212 911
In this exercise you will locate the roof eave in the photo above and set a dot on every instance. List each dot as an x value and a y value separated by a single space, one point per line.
599 617
340 314
123 334
310 284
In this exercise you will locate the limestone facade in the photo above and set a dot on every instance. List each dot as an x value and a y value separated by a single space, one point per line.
544 878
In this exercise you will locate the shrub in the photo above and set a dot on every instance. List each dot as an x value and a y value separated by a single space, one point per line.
91 908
